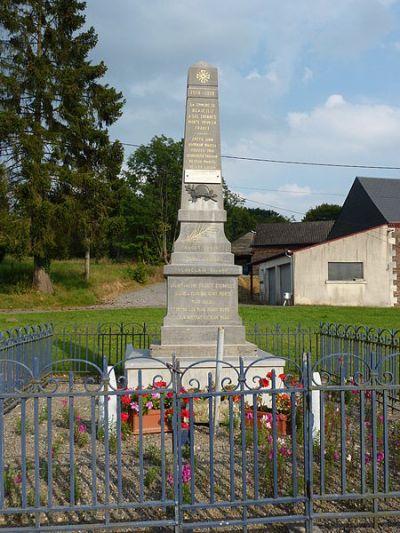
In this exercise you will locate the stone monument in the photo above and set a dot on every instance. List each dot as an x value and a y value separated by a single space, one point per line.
202 278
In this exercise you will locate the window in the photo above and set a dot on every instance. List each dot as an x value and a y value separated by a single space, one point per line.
345 271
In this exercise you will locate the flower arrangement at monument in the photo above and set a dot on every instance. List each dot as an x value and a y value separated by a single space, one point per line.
265 411
151 399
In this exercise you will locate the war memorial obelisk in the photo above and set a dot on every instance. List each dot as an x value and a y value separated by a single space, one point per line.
202 279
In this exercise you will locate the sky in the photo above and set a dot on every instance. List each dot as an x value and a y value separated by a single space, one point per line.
299 80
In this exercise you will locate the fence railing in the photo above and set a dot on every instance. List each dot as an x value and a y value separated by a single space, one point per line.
75 454
23 345
110 340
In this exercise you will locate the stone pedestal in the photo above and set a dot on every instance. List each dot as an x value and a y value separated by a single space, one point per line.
197 372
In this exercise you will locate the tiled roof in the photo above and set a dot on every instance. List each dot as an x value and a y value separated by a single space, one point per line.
242 245
292 233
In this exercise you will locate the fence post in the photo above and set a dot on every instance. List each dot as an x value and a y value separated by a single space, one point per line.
308 440
176 442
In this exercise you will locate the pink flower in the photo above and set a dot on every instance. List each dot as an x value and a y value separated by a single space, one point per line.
78 418
82 428
380 456
380 418
285 452
186 473
336 456
155 395
249 415
18 478
149 404
134 406
170 479
367 458
65 402
368 394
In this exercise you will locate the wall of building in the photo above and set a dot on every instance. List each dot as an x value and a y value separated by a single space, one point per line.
374 248
273 267
396 263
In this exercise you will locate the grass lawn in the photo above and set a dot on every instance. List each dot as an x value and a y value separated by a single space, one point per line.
262 315
107 280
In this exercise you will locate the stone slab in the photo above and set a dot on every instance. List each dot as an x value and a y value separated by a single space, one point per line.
202 351
156 366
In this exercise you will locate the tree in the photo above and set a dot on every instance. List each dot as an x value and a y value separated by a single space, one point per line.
322 212
54 115
154 177
242 219
14 231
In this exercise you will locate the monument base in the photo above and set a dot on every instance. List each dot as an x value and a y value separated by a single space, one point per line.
256 365
198 352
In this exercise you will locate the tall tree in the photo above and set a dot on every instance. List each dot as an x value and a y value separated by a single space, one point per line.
322 212
54 114
154 176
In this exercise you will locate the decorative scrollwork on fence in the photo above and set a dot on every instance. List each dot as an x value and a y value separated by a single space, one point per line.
206 372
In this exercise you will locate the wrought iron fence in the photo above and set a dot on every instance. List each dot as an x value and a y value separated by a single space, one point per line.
23 345
309 446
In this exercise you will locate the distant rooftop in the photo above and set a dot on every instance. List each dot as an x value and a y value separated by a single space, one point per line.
291 233
385 193
242 245
370 202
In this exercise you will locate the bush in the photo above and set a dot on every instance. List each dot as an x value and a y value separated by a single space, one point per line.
139 272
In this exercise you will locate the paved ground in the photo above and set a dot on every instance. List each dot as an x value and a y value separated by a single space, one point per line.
152 296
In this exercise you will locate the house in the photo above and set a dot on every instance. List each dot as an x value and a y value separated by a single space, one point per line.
277 239
357 265
242 250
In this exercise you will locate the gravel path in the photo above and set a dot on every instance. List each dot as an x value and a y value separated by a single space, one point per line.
152 296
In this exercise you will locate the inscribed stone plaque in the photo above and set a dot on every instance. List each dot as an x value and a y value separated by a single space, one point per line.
202 162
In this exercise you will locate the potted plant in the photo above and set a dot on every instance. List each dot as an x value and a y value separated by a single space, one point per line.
283 409
151 408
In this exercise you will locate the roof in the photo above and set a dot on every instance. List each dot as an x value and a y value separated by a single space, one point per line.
291 233
385 193
370 202
242 245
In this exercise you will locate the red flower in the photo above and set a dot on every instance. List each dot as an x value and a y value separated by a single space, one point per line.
282 377
160 384
264 382
186 400
185 413
170 394
185 425
124 417
126 400
269 374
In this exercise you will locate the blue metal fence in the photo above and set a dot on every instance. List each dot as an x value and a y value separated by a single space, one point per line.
75 455
22 345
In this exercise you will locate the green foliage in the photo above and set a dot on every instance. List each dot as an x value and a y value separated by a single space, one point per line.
139 272
152 453
154 178
241 220
54 115
322 212
152 476
18 426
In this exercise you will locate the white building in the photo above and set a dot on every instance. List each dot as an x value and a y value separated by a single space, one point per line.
358 265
